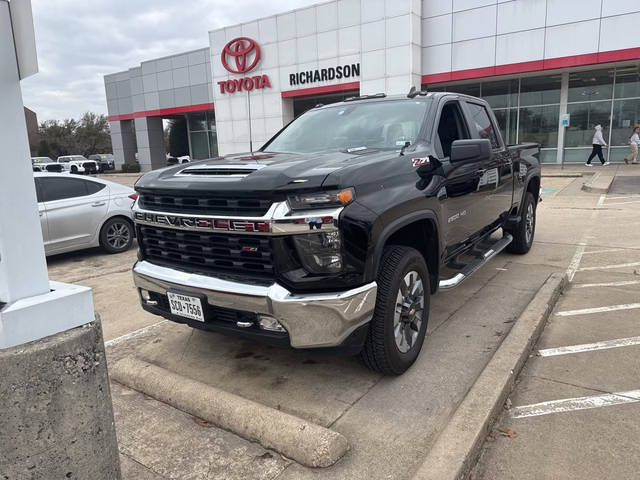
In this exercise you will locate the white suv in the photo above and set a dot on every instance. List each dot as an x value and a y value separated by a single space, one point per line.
79 164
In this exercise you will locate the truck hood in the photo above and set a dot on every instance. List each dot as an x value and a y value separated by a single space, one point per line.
253 173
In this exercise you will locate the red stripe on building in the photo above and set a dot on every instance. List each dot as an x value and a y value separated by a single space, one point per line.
535 66
162 112
309 92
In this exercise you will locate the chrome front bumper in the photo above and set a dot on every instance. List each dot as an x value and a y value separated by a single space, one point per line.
312 320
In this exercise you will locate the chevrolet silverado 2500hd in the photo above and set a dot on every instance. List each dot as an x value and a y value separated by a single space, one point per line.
337 231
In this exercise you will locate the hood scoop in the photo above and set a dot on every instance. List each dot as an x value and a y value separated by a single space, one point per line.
221 170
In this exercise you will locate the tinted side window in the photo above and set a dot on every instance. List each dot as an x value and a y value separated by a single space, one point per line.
93 187
61 188
481 122
450 127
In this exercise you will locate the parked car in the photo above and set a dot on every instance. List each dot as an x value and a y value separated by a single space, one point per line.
45 164
178 160
77 213
79 164
338 230
105 161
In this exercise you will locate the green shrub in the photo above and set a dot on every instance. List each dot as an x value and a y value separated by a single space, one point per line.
130 168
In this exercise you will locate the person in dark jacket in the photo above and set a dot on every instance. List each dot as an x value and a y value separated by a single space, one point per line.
597 142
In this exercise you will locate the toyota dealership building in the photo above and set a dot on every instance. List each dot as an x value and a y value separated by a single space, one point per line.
551 69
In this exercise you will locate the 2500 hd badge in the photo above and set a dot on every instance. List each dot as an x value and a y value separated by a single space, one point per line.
406 190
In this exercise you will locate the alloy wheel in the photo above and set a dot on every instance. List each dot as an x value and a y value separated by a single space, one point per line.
118 235
409 311
529 223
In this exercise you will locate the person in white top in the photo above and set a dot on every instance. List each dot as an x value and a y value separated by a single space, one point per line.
634 141
598 142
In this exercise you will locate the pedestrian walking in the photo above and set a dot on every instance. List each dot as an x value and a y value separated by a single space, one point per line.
634 141
597 142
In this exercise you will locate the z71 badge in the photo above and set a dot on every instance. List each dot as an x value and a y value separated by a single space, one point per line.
419 162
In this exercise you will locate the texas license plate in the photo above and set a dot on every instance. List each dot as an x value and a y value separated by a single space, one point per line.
186 306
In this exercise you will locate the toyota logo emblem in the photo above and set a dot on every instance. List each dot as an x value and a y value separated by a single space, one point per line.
240 49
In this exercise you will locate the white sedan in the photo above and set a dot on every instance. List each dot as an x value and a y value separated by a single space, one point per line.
77 213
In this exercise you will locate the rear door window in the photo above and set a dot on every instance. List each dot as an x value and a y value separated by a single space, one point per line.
481 123
62 188
94 187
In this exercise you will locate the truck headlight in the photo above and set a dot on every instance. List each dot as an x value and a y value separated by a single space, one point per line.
320 252
306 201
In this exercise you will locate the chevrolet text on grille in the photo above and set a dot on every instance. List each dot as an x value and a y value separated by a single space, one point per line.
297 224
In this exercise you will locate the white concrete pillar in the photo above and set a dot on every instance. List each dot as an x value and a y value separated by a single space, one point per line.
123 141
150 140
564 97
391 53
23 270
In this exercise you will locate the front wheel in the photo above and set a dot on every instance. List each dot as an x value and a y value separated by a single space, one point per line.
399 322
116 235
525 230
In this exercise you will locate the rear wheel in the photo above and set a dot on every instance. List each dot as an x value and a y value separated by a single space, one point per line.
399 322
525 230
74 169
116 235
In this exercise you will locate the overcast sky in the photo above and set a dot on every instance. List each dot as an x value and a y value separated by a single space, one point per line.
79 41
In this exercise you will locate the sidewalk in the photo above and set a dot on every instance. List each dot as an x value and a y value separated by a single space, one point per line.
574 413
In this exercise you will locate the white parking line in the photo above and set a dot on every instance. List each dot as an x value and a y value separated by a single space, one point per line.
623 203
133 334
610 308
573 404
582 245
624 196
590 347
607 250
608 267
607 284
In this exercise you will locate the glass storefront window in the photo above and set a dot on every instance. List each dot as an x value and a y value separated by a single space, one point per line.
211 120
584 118
590 85
507 123
199 145
540 90
472 89
626 115
627 82
539 124
197 121
502 94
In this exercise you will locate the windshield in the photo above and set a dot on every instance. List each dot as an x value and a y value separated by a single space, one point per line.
352 127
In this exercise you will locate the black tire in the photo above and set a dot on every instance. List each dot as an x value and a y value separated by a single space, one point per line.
381 352
116 235
74 169
524 232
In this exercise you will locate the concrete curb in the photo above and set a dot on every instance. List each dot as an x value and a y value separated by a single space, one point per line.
305 442
561 175
457 448
599 183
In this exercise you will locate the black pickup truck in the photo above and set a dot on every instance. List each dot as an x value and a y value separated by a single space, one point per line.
337 231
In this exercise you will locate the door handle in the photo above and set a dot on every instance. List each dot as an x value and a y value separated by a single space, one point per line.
98 204
41 213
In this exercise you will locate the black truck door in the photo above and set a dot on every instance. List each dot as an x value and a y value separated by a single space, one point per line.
495 186
459 193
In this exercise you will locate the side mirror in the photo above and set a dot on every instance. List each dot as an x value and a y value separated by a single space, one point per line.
476 150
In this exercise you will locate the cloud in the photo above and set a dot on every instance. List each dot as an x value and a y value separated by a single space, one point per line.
80 41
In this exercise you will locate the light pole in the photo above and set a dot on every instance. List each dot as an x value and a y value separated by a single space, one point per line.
54 389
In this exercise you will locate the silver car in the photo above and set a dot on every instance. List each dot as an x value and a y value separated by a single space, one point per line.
77 213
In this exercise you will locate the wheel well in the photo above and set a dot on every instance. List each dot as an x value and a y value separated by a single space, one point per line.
423 236
534 187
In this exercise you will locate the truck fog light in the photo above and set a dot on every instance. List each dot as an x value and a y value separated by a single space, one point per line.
320 252
270 323
146 298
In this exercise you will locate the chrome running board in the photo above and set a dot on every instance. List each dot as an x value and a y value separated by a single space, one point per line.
474 265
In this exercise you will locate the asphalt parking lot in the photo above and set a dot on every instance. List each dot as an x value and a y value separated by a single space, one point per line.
390 423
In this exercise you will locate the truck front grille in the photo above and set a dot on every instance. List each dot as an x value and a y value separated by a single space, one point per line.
203 204
90 167
207 251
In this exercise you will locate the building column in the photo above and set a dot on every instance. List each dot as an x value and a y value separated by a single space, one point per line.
564 98
123 142
150 140
392 63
